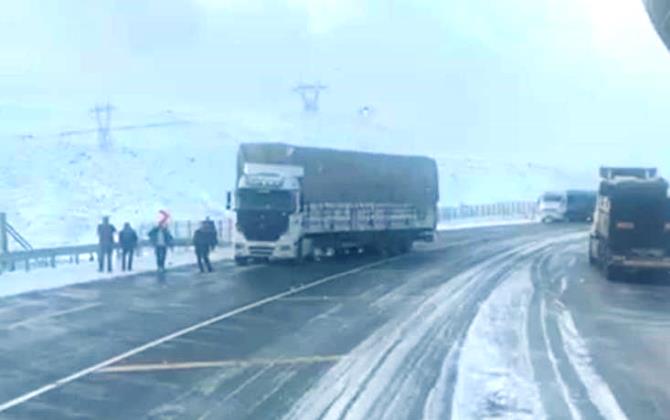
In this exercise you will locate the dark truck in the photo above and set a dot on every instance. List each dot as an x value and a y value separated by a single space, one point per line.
579 205
630 229
294 202
568 206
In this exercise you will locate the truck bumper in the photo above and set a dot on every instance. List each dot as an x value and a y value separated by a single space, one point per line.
265 251
551 216
660 264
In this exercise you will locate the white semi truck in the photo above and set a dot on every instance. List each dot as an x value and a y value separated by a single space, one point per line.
293 202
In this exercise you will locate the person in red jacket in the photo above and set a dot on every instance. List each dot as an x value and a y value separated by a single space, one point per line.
161 239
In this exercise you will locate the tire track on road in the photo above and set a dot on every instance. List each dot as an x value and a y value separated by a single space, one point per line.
582 390
381 376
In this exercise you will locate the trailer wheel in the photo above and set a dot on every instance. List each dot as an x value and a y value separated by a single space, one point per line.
405 246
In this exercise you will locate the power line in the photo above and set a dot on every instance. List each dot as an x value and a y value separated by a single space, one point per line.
103 117
310 95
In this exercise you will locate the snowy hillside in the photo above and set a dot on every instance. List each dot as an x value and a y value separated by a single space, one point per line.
55 189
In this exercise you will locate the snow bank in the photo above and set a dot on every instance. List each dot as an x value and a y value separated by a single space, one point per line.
495 374
17 282
472 223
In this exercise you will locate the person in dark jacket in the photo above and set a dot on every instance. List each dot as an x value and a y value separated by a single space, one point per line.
106 232
161 239
205 240
128 243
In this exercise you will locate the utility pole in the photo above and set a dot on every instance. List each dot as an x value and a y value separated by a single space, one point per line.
103 116
310 95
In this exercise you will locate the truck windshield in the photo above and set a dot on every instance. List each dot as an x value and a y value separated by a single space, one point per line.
249 199
580 200
552 198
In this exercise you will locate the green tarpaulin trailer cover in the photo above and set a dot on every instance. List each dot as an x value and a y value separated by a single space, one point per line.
337 176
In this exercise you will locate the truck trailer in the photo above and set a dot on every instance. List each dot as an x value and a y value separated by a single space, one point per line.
630 227
294 202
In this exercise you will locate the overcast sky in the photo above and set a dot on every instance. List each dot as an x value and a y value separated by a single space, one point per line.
512 79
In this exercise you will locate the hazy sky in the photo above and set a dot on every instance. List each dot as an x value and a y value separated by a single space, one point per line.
512 79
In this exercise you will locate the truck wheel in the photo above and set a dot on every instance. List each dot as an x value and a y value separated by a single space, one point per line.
300 256
405 246
592 258
614 273
241 261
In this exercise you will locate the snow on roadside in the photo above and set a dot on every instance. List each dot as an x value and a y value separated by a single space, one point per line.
481 223
495 374
17 282
599 392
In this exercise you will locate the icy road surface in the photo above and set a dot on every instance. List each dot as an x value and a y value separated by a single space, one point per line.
506 322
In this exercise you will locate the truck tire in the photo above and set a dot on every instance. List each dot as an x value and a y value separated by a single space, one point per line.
300 256
241 261
614 273
592 259
406 246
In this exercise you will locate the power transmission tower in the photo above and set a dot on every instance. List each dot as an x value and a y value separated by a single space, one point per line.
103 116
310 96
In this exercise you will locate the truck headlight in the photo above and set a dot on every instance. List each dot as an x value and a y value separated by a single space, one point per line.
285 248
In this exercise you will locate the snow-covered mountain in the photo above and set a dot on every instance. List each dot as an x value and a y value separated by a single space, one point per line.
56 188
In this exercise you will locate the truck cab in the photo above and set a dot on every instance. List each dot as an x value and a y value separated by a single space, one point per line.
630 230
551 207
267 209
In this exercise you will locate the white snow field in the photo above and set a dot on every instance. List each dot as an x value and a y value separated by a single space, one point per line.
17 282
55 188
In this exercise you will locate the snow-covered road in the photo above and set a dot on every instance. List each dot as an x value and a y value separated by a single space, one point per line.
505 322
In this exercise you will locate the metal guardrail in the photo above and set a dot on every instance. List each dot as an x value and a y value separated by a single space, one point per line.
182 232
49 256
526 209
23 243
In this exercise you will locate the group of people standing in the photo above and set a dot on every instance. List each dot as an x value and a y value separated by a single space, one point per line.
204 241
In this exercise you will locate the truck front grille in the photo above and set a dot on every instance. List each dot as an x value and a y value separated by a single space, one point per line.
261 251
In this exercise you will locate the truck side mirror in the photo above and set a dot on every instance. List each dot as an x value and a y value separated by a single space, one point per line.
301 203
229 200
